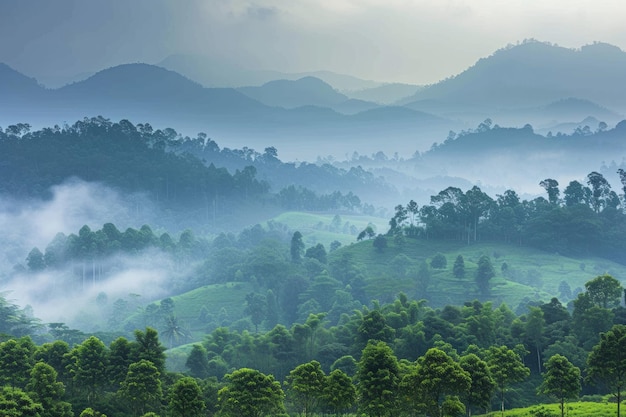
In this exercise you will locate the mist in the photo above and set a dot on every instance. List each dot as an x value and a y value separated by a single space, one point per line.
65 295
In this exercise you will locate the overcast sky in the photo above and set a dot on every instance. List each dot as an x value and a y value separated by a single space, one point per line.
415 41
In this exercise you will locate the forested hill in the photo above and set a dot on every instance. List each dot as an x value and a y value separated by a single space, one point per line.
166 167
581 220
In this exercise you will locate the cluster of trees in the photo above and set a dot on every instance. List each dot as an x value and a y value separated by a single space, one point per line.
127 378
161 164
585 220
411 329
91 250
399 359
300 198
128 157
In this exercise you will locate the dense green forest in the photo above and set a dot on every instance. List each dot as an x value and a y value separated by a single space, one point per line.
192 180
403 358
467 304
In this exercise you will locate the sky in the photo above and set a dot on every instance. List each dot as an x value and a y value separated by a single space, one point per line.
412 41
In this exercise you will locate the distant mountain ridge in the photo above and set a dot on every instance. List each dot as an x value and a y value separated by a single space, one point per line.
532 83
535 73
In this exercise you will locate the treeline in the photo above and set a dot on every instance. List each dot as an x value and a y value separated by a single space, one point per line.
403 359
582 220
159 163
128 157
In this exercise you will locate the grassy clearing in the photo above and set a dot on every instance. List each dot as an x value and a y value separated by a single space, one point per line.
228 299
574 409
318 228
529 274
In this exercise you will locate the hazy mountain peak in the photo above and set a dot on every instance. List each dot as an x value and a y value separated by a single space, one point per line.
534 72
304 91
14 82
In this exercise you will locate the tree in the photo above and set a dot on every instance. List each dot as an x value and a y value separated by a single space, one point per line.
35 260
482 386
297 247
120 358
561 380
317 252
15 362
378 377
576 193
506 367
604 291
339 391
306 386
438 378
535 326
44 388
256 308
607 362
439 261
198 362
552 188
142 386
459 267
173 331
90 366
147 346
484 273
250 393
90 412
16 403
600 189
380 243
185 398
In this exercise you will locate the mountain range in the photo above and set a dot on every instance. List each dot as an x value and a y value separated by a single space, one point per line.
547 86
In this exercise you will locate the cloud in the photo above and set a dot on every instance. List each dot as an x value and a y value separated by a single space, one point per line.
396 40
68 297
73 204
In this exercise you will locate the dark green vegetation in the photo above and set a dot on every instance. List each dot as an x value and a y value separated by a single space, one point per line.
463 305
191 180
400 359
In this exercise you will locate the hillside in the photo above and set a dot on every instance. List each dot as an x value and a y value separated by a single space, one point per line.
534 73
290 94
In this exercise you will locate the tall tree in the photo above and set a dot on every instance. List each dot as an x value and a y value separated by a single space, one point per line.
438 378
198 362
120 358
185 398
297 247
604 291
600 190
484 273
250 393
147 346
339 391
90 366
607 362
15 362
44 388
552 188
482 386
142 386
459 267
506 368
256 308
561 380
306 387
535 327
16 403
378 377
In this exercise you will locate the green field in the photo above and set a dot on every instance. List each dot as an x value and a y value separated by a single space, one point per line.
531 274
317 228
573 409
